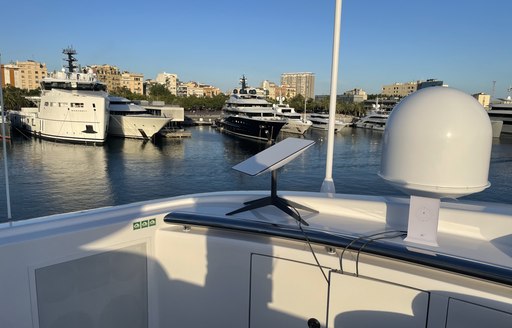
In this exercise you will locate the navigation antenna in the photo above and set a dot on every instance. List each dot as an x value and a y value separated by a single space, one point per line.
70 52
243 81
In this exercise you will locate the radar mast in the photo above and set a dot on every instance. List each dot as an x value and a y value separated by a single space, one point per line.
70 53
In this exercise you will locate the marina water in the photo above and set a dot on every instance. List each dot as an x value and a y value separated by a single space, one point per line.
49 178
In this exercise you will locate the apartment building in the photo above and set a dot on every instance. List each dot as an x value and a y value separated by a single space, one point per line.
210 91
271 88
399 89
10 75
403 89
24 75
110 75
483 98
133 82
303 83
353 96
192 88
170 81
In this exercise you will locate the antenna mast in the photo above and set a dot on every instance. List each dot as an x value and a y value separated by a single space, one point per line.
70 53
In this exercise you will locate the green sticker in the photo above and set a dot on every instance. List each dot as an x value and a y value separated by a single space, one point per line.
152 222
136 225
144 224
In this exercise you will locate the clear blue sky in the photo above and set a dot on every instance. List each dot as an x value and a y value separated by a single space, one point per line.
465 43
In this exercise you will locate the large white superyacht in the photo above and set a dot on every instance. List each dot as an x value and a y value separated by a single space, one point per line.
248 114
73 107
295 122
129 120
321 122
502 111
375 119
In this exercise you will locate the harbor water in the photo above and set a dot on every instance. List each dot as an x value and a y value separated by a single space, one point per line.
49 178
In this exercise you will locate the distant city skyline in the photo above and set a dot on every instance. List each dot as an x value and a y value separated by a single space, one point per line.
463 43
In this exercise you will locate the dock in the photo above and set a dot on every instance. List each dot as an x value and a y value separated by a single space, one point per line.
175 133
201 117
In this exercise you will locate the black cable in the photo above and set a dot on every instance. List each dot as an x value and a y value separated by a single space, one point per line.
401 233
361 238
313 252
309 243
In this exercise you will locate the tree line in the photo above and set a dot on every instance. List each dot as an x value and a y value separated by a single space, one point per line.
14 99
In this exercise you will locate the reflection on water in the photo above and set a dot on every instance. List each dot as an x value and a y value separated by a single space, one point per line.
48 178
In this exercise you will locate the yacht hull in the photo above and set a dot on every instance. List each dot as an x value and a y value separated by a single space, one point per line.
136 126
251 128
182 262
296 127
505 116
321 122
58 117
7 127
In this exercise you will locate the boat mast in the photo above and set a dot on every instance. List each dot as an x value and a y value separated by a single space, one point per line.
243 82
328 184
305 119
4 146
70 52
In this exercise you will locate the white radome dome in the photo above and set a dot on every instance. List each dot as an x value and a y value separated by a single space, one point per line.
437 143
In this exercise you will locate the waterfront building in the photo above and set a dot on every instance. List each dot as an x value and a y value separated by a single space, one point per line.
110 75
483 98
133 82
24 75
274 91
398 89
353 96
10 74
210 91
170 81
191 88
302 83
271 88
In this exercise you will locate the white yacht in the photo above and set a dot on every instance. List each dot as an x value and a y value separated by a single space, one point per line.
321 122
375 119
5 124
129 120
73 107
502 111
295 122
248 114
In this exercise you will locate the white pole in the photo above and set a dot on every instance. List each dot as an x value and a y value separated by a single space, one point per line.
4 146
328 184
305 117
